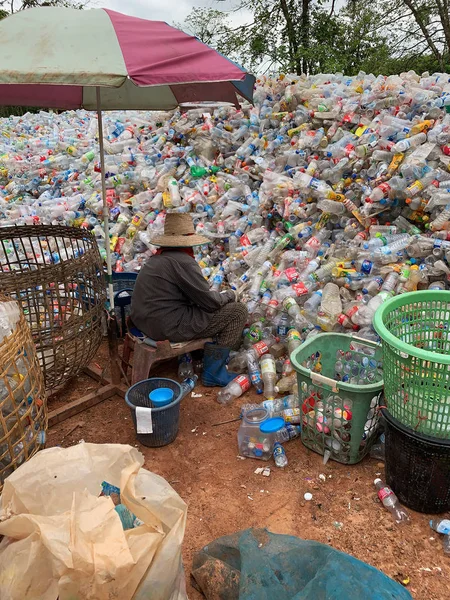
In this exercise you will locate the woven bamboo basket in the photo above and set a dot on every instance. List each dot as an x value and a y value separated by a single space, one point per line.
23 407
56 274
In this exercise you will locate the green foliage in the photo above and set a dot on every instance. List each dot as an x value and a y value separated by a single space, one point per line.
380 36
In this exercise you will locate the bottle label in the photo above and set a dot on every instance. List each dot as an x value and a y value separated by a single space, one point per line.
300 289
254 333
352 311
291 274
243 381
278 450
291 415
273 303
282 330
366 266
342 319
293 334
260 348
443 527
289 303
268 366
244 241
385 493
255 377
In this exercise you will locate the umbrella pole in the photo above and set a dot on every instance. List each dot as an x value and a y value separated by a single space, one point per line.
112 323
105 206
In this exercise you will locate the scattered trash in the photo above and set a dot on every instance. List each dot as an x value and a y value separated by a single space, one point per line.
322 477
390 501
194 395
256 435
264 471
279 455
308 496
442 526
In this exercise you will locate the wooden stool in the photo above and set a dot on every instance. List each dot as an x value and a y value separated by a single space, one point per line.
148 352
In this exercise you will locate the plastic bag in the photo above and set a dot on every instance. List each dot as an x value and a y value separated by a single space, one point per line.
64 541
258 565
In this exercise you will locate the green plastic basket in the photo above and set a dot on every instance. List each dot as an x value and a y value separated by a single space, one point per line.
415 332
340 383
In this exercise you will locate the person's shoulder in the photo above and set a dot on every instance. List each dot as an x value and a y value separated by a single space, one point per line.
178 257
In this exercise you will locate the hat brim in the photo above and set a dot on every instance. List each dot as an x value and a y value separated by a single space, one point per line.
179 241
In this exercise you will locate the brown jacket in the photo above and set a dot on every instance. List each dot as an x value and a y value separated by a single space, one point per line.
172 300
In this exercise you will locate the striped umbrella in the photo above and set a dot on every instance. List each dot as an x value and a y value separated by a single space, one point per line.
103 60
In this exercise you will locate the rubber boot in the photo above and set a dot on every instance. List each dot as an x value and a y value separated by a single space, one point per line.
214 366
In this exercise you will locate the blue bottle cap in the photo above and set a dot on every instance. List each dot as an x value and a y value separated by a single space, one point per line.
161 396
272 425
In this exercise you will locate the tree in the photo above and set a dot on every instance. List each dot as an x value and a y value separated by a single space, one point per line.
310 36
209 25
300 36
419 32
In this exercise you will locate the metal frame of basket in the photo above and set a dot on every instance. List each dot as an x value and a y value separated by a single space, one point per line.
23 407
56 274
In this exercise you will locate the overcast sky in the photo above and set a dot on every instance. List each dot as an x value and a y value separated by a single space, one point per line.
167 10
174 10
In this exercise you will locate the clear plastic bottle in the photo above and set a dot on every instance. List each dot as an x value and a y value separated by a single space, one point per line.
331 300
390 501
254 373
442 526
288 432
313 303
411 142
185 366
279 455
234 389
269 375
286 384
293 341
188 384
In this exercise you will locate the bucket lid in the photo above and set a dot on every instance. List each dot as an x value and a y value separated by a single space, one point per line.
161 396
272 425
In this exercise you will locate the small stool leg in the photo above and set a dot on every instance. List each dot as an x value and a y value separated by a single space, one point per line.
142 362
126 353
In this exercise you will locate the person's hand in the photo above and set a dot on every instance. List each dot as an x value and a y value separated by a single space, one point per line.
237 294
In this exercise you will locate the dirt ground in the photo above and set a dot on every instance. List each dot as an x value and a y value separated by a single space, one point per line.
224 495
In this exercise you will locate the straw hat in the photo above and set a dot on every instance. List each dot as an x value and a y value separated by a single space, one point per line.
179 232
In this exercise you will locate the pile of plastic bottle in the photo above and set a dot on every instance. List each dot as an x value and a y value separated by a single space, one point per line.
327 197
23 422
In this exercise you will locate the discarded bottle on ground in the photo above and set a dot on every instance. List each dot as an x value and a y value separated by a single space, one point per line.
390 501
234 389
279 455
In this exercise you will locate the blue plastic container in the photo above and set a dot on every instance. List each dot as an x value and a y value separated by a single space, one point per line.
165 419
161 397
